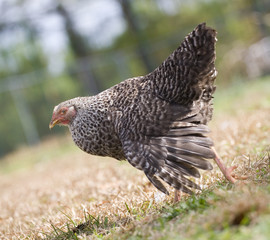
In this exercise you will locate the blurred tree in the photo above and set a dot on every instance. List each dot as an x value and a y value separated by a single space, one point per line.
81 51
261 8
136 33
154 29
24 57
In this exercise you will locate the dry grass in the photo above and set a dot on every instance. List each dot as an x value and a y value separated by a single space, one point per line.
71 186
54 187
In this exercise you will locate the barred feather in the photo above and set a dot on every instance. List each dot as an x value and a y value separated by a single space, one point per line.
158 121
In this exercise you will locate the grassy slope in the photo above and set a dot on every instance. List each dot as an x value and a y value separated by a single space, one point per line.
55 191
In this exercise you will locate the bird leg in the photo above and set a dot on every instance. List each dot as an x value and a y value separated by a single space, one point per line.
227 172
177 196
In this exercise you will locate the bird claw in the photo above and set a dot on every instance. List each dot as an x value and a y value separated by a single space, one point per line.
231 177
236 177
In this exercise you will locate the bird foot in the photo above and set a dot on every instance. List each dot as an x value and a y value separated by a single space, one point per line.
232 177
227 172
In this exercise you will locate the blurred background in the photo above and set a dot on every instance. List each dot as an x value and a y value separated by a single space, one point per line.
54 50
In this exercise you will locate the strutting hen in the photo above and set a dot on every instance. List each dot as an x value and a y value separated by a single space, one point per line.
158 121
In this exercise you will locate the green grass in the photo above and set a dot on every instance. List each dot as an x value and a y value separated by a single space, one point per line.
26 158
242 95
223 211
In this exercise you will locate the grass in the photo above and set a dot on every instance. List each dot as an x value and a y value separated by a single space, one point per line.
55 191
222 211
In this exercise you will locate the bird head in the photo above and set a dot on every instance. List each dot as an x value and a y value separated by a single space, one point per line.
63 114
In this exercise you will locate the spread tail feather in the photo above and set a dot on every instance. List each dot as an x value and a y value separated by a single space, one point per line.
190 70
155 181
178 182
175 145
185 151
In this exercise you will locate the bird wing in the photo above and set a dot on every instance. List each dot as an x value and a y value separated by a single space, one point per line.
163 145
189 72
160 118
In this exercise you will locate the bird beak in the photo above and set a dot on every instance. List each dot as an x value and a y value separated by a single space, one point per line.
53 123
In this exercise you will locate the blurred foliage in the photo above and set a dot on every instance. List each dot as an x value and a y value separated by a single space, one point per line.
237 25
159 30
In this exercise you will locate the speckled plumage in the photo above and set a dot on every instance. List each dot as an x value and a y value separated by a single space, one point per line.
157 122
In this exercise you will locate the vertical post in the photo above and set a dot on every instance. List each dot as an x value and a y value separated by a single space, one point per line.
26 118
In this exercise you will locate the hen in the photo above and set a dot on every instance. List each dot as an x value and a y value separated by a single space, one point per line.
158 121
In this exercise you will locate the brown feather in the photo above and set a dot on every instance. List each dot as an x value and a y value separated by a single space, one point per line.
158 121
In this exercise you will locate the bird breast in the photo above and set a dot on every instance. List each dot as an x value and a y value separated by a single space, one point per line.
93 133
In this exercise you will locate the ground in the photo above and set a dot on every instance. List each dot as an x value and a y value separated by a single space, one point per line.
55 191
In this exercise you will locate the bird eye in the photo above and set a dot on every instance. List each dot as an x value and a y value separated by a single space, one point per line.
63 111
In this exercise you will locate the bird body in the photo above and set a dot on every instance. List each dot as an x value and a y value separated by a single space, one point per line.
158 121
